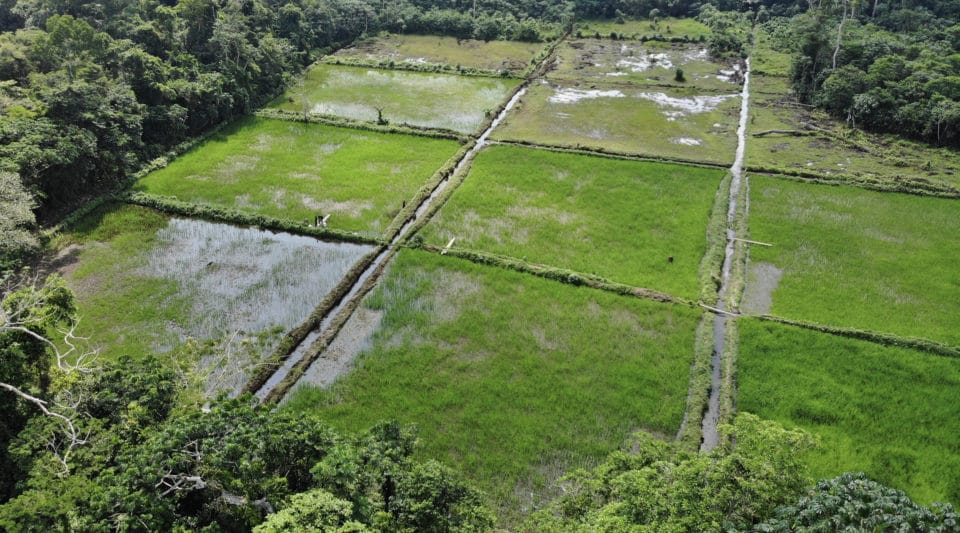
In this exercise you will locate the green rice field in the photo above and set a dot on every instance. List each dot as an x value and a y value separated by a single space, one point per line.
619 219
513 379
649 63
511 56
459 103
856 258
296 171
145 282
653 121
888 412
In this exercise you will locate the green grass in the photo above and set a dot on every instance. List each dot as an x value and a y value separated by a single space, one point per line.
637 63
145 281
629 123
855 258
666 28
447 101
852 152
888 412
510 378
767 57
617 219
295 171
511 56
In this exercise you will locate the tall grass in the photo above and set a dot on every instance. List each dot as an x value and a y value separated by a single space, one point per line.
622 220
889 412
296 171
513 379
877 261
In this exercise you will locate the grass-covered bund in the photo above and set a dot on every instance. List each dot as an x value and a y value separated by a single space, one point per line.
295 171
889 412
511 378
446 101
855 258
622 220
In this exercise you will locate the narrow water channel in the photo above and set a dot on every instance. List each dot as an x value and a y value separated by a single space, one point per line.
712 417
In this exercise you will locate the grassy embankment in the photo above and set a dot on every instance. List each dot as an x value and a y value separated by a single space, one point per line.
618 219
863 259
513 379
430 100
886 411
295 171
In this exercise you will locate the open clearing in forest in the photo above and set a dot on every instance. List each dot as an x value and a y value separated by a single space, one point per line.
644 63
666 28
459 103
857 258
145 281
296 171
512 379
885 411
834 149
770 54
512 56
650 121
618 219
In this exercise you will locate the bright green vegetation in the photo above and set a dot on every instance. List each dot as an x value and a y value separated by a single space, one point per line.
885 411
296 171
619 219
145 281
512 56
512 379
850 257
459 103
835 149
637 63
768 55
652 121
666 28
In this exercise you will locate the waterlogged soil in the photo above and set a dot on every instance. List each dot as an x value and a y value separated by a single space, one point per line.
459 103
650 63
651 121
762 280
146 283
512 56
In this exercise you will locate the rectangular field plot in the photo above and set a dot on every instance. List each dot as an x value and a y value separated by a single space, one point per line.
446 101
830 148
649 63
651 121
849 257
513 379
512 56
296 171
145 282
622 220
667 28
886 411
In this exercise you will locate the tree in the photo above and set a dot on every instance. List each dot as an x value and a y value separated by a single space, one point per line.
18 221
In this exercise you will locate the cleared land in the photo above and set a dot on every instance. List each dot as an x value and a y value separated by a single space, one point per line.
513 379
652 121
649 63
145 281
834 149
296 171
666 28
458 103
770 54
888 412
857 258
512 56
622 220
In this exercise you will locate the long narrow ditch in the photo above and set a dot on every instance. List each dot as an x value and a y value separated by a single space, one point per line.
328 328
711 418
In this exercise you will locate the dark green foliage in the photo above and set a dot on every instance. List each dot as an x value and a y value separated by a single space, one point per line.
854 501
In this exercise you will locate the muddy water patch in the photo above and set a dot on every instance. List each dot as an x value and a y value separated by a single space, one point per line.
244 278
674 107
567 95
762 280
